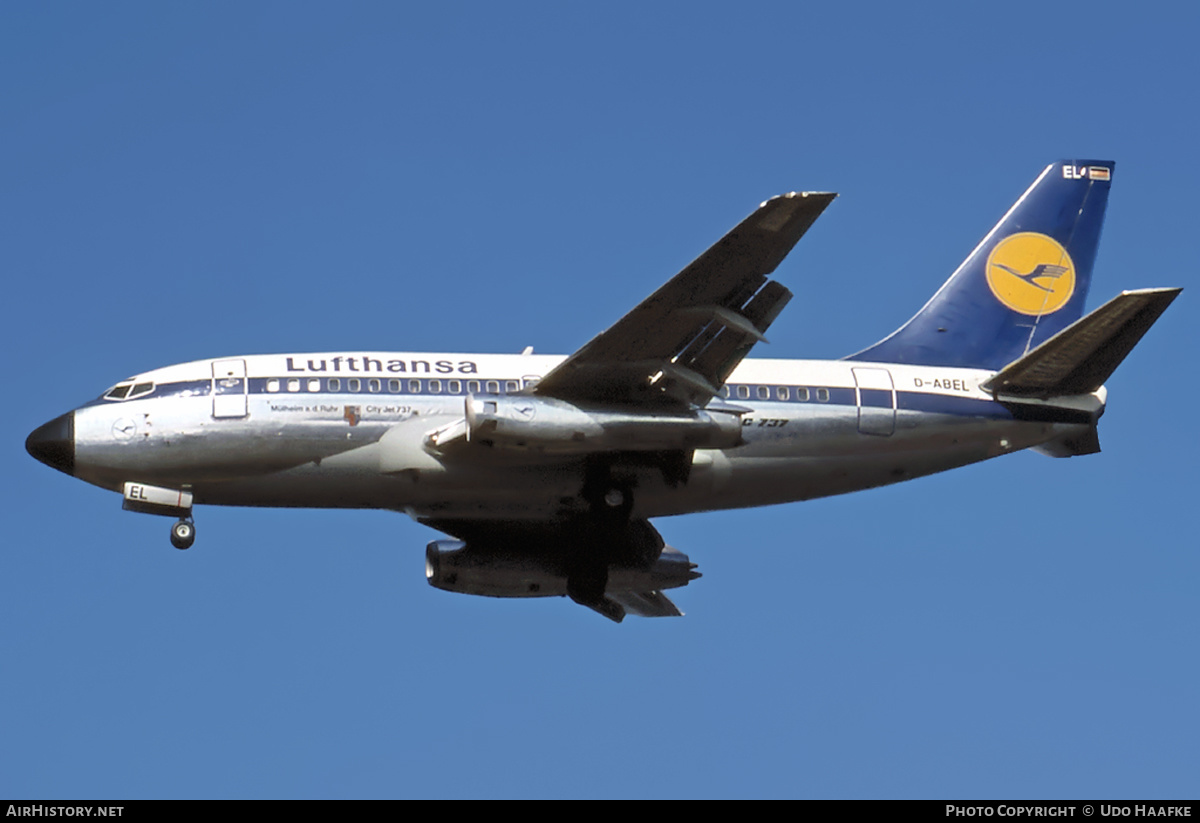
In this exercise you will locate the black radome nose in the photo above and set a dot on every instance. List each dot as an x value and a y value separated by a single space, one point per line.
54 443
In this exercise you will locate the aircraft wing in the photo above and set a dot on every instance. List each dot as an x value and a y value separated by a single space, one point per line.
620 570
680 344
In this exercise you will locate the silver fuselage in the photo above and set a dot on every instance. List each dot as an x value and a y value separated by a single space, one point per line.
350 430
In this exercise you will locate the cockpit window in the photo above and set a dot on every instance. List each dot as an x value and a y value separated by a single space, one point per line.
128 390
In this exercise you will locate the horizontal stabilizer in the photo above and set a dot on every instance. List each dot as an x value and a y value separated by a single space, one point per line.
1082 356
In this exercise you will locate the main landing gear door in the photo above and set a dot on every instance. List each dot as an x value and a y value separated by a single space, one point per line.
876 399
229 388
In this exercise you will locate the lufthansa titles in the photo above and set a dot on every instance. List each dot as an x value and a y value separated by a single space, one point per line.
362 363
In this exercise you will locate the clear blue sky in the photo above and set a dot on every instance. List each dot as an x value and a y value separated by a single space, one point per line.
193 180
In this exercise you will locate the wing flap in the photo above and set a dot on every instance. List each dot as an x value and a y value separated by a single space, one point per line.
680 344
647 604
1082 356
730 344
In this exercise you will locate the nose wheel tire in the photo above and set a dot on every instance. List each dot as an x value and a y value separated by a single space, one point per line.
183 534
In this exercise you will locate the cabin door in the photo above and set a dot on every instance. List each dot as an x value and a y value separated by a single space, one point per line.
876 399
229 388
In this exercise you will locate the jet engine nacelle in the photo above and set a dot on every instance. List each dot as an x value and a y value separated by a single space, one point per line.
552 425
454 566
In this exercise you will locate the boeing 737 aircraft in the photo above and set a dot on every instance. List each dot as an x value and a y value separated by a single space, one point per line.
548 470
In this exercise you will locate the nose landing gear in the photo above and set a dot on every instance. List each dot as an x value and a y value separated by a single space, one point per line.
183 534
177 502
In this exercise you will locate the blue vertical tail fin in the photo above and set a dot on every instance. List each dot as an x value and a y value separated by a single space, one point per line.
1026 281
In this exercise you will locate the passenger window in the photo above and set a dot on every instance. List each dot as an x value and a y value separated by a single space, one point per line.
473 386
374 385
414 386
511 385
728 392
353 384
335 384
743 392
823 395
454 387
293 384
273 385
314 384
764 393
802 395
782 393
493 387
394 386
435 386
